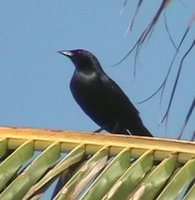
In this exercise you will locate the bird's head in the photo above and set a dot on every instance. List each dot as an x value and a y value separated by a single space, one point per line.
82 59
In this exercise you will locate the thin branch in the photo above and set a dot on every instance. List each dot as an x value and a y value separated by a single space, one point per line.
147 30
168 32
176 81
187 119
130 27
162 86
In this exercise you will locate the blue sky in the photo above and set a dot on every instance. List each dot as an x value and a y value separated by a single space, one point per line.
34 84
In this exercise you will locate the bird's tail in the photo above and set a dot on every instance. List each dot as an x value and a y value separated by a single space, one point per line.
143 131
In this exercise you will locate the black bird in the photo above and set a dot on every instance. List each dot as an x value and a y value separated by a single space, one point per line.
101 98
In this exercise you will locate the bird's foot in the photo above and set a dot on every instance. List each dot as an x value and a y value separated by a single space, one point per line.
99 130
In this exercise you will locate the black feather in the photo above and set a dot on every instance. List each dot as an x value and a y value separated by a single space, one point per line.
101 98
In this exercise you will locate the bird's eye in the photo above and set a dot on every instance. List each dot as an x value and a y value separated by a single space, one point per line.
79 51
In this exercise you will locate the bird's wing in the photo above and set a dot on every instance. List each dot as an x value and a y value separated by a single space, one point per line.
116 97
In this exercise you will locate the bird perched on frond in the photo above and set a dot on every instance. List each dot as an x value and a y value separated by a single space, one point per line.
101 98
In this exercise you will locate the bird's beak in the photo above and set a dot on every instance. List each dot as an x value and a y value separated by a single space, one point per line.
66 53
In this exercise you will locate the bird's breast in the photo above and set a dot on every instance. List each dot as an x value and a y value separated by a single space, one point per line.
82 83
86 91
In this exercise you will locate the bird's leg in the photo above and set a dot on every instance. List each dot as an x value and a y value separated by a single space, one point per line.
128 131
115 128
99 130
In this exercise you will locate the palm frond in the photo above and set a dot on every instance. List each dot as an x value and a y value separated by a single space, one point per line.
110 166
